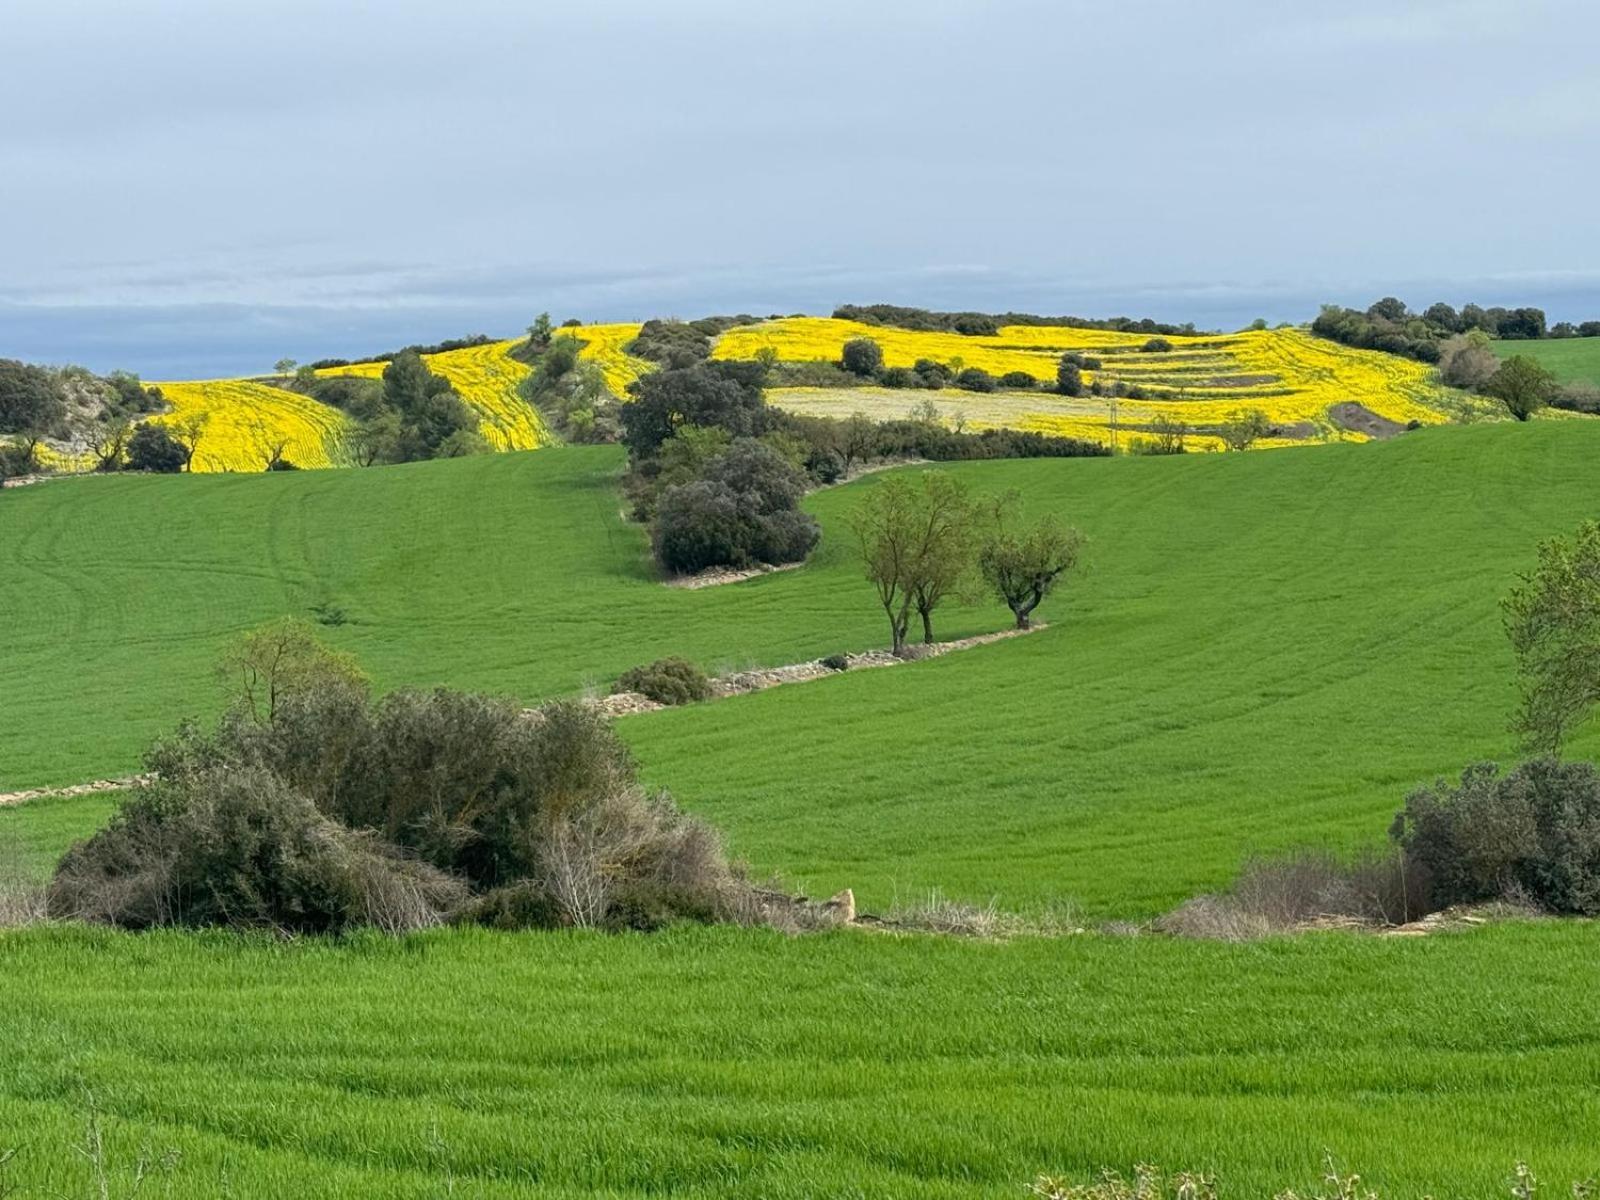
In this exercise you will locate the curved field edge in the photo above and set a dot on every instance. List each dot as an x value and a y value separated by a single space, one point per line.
712 1062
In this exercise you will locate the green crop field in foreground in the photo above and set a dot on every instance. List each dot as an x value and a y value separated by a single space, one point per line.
1262 650
1571 360
740 1063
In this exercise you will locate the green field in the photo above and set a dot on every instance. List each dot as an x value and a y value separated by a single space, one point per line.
739 1063
1263 650
1571 360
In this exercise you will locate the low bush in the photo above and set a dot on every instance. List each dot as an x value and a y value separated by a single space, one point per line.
1018 379
667 681
743 510
231 845
673 344
976 379
1533 833
423 807
152 448
836 662
1275 895
1156 345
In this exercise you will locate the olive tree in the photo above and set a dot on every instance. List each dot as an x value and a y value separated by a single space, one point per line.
1023 563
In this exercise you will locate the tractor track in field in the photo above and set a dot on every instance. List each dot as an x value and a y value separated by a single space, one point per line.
622 704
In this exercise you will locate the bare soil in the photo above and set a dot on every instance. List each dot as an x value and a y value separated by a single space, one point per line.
1358 418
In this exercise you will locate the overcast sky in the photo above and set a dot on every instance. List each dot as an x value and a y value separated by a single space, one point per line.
191 187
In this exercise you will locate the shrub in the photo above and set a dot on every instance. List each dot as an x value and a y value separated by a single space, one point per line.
1465 361
743 510
836 662
1578 397
667 681
1522 385
152 448
1275 895
236 846
1069 377
976 379
670 343
900 377
1156 345
473 811
30 400
1534 831
1018 379
699 525
862 356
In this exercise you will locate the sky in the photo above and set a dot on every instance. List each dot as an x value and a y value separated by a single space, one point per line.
191 188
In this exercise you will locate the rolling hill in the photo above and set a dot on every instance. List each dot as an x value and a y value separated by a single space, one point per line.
1571 360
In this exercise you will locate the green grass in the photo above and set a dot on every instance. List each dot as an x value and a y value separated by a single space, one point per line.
508 573
1571 360
1262 650
736 1063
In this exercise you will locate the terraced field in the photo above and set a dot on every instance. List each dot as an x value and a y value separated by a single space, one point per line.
603 346
1291 376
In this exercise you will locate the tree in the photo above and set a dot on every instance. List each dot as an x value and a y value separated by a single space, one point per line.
1522 385
285 366
1023 565
1069 376
862 356
187 432
1168 433
367 443
885 524
540 332
1389 309
944 556
1442 315
153 448
111 443
916 539
1552 618
30 400
429 409
858 438
1243 429
282 659
705 394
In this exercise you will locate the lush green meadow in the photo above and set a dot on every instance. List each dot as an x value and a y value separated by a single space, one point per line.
1571 360
1262 649
728 1062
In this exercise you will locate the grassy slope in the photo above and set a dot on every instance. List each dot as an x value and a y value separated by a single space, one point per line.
510 573
1263 649
1572 360
707 1062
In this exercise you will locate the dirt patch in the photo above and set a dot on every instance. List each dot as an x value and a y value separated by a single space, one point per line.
739 683
78 789
1358 418
714 576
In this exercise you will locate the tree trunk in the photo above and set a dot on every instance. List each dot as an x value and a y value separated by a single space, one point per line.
927 626
1022 617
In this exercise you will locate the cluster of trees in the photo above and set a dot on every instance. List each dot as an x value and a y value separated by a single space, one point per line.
1520 383
1390 326
570 393
924 539
313 808
84 412
674 343
408 415
862 358
976 324
719 484
288 366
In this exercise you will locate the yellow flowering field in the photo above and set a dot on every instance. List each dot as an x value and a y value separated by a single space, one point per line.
603 346
1291 376
487 378
245 421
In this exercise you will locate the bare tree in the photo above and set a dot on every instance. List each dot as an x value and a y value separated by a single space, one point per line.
187 433
280 659
110 443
